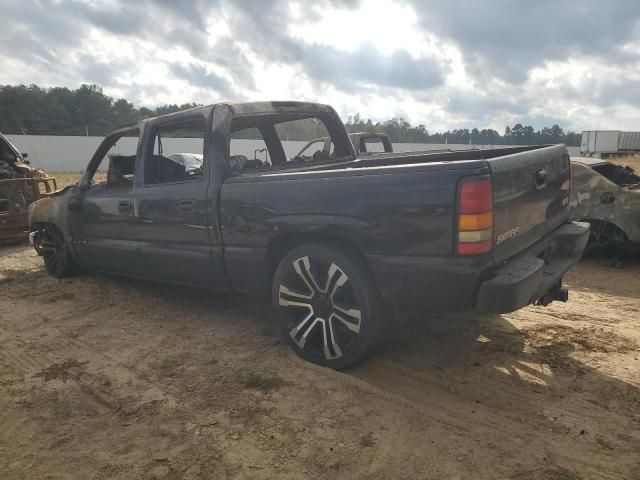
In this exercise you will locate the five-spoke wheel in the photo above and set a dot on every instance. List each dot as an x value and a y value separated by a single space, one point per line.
327 305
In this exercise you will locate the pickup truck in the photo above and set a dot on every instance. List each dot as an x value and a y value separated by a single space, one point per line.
336 243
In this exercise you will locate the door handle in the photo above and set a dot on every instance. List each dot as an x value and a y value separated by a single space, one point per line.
125 207
186 206
540 178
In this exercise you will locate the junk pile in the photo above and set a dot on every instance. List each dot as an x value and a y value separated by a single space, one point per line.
20 185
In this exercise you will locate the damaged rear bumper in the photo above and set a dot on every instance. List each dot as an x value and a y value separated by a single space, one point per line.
450 284
528 279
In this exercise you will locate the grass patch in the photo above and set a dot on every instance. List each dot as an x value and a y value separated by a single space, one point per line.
263 382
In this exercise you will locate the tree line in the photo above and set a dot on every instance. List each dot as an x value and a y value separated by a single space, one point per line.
399 130
33 110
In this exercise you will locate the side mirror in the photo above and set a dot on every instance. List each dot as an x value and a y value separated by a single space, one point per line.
24 155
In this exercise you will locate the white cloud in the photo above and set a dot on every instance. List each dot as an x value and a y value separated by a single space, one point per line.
466 64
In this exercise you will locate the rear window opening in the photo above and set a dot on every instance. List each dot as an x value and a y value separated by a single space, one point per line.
282 141
178 153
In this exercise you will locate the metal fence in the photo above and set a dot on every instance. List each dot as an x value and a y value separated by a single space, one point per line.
72 153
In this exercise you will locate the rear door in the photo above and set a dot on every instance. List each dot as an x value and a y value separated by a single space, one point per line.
172 205
530 195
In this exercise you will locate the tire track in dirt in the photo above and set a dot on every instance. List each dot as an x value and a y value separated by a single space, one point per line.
509 431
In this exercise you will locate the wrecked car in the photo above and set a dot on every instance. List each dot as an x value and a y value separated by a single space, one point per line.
607 196
337 243
20 185
364 143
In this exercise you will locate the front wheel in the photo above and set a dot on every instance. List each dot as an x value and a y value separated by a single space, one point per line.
327 305
50 243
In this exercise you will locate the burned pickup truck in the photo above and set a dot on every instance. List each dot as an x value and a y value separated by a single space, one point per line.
20 185
336 243
608 197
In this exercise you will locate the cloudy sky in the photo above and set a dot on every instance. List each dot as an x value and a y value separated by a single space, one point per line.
450 64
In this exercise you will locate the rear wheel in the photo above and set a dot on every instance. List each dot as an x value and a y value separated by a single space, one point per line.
51 244
327 305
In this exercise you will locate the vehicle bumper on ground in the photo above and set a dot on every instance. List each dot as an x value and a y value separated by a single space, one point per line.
449 284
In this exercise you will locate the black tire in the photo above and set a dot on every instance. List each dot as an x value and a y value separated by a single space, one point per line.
327 306
58 260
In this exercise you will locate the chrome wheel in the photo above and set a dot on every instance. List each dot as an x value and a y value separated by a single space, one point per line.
322 313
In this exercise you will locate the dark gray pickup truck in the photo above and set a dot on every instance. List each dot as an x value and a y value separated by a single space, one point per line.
337 241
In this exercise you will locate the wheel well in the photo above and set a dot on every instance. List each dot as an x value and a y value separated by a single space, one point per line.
280 246
609 230
38 225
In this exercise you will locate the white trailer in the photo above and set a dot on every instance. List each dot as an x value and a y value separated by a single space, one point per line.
609 143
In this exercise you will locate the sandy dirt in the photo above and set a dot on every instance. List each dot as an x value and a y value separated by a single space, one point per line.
107 378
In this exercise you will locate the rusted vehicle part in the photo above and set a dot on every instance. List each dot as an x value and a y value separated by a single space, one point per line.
608 197
20 192
20 186
359 141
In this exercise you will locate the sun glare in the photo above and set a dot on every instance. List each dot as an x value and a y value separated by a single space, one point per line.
387 26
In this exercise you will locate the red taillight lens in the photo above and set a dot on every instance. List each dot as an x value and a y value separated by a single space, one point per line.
476 196
475 216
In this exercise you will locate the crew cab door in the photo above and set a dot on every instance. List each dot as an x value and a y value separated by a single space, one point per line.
101 214
174 210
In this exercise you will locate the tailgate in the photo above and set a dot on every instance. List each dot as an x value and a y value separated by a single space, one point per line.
530 195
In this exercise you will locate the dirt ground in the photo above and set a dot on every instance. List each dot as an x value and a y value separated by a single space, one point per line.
107 378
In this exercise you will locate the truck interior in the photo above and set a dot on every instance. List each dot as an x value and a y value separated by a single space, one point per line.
621 176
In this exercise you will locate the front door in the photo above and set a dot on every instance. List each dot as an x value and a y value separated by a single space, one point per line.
101 217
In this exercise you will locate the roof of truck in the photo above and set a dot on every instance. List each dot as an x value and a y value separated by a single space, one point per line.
276 106
247 108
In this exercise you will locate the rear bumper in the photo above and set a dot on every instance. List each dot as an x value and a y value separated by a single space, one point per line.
448 284
527 278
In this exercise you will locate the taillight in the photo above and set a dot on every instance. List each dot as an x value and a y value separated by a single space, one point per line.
475 216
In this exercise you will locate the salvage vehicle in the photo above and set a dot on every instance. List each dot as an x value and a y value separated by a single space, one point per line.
338 244
365 143
607 196
20 185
